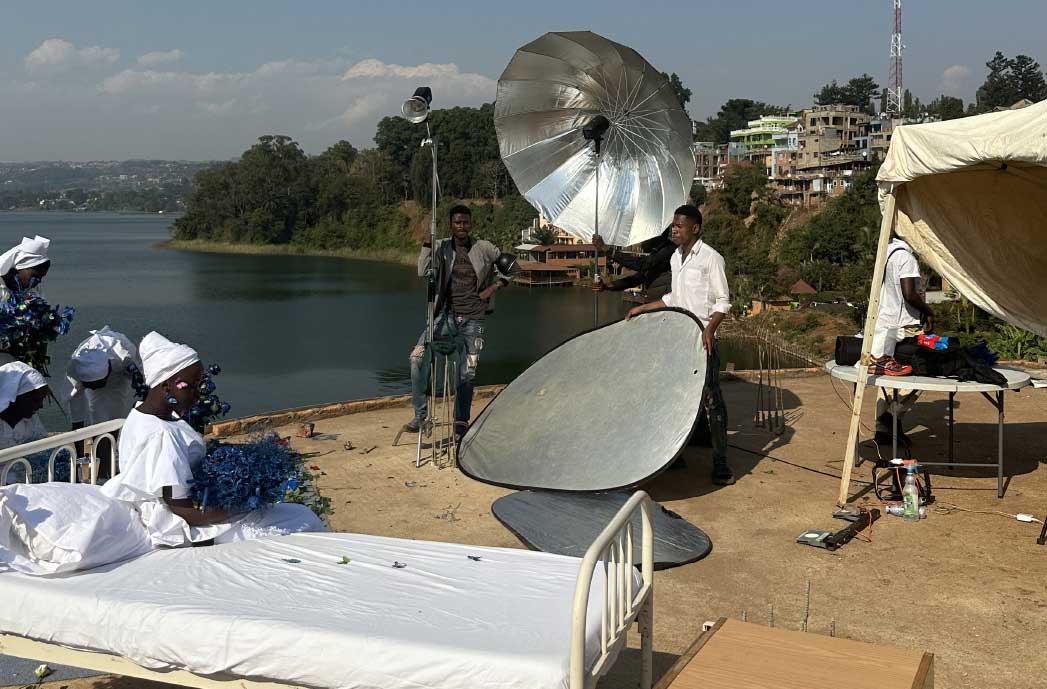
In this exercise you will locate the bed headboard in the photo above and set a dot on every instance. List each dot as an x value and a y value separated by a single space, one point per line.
622 601
18 455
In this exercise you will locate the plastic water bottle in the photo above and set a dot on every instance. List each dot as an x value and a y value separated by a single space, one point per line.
911 496
899 510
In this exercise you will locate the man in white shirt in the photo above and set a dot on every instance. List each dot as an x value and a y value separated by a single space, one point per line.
699 285
902 314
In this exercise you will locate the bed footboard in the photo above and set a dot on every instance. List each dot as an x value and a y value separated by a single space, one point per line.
622 602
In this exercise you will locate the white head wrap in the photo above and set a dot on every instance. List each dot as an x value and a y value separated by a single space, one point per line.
31 252
162 358
90 360
18 378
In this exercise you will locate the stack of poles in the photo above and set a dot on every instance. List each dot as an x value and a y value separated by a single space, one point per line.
770 397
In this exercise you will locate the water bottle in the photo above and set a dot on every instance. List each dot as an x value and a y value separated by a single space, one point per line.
899 510
911 496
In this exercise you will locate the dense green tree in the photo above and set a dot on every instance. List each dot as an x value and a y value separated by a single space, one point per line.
859 92
739 183
998 89
683 94
946 108
1028 79
734 114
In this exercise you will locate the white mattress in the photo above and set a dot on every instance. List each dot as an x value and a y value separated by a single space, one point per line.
444 621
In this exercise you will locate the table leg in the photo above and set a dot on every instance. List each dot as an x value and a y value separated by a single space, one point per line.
952 399
894 423
999 444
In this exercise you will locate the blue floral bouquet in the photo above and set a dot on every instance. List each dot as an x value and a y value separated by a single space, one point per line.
27 324
251 475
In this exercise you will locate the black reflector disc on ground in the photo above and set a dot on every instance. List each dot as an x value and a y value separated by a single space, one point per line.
605 410
568 523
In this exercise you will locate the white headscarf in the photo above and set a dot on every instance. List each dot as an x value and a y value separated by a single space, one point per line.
31 252
18 378
90 360
162 358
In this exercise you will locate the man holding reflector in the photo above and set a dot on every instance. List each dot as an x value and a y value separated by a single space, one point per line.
699 285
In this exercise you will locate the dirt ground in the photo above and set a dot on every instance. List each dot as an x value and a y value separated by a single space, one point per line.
965 586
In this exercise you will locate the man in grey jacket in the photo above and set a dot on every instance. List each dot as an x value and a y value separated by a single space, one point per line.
466 279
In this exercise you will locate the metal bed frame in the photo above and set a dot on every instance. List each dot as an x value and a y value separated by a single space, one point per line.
623 601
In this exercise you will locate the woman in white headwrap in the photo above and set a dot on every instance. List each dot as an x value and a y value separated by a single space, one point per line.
22 394
24 266
158 452
98 385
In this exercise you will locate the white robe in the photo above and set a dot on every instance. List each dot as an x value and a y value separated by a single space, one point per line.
113 401
155 454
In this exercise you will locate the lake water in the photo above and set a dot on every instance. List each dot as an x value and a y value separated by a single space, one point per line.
288 331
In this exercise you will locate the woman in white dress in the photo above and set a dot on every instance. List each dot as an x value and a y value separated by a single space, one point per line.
158 452
22 267
22 393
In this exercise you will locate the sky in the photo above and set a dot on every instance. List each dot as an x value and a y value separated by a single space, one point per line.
189 80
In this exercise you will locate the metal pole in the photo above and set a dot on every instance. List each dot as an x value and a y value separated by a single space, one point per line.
596 252
999 445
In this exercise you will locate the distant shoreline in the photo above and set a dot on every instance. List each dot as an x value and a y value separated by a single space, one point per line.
69 211
407 258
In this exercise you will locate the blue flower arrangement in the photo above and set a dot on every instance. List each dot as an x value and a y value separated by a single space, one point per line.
28 323
249 476
208 408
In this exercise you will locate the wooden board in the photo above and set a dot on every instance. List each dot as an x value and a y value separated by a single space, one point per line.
738 655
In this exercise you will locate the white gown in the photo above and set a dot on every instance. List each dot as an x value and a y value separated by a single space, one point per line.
155 454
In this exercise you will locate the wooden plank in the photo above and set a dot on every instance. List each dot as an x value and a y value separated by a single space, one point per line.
748 656
879 267
21 647
924 678
688 655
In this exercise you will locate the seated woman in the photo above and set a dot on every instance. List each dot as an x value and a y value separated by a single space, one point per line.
158 452
22 393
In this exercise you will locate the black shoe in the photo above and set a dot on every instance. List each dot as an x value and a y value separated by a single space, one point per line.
412 426
722 475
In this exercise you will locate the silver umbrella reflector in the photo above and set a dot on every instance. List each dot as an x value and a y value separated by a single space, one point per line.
551 92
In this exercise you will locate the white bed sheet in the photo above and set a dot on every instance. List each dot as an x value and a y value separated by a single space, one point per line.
444 621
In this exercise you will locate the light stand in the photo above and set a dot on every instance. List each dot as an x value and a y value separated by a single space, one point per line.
594 132
416 110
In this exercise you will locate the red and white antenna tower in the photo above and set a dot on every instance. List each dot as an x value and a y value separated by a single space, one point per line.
894 88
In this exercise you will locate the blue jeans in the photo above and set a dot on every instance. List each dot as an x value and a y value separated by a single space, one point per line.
448 325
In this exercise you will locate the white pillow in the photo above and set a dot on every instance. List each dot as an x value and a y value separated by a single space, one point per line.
49 528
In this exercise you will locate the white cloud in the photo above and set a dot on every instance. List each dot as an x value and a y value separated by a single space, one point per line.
161 111
58 56
954 79
160 57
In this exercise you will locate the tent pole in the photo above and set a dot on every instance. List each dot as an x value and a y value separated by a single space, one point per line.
851 450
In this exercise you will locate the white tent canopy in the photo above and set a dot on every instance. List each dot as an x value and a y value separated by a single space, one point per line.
970 197
971 200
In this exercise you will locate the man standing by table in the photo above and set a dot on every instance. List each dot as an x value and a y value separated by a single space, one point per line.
903 313
699 285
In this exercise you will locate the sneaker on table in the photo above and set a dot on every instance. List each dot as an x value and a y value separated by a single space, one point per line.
887 366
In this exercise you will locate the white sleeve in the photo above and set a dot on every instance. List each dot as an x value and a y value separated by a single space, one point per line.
719 292
158 461
77 400
908 266
666 298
